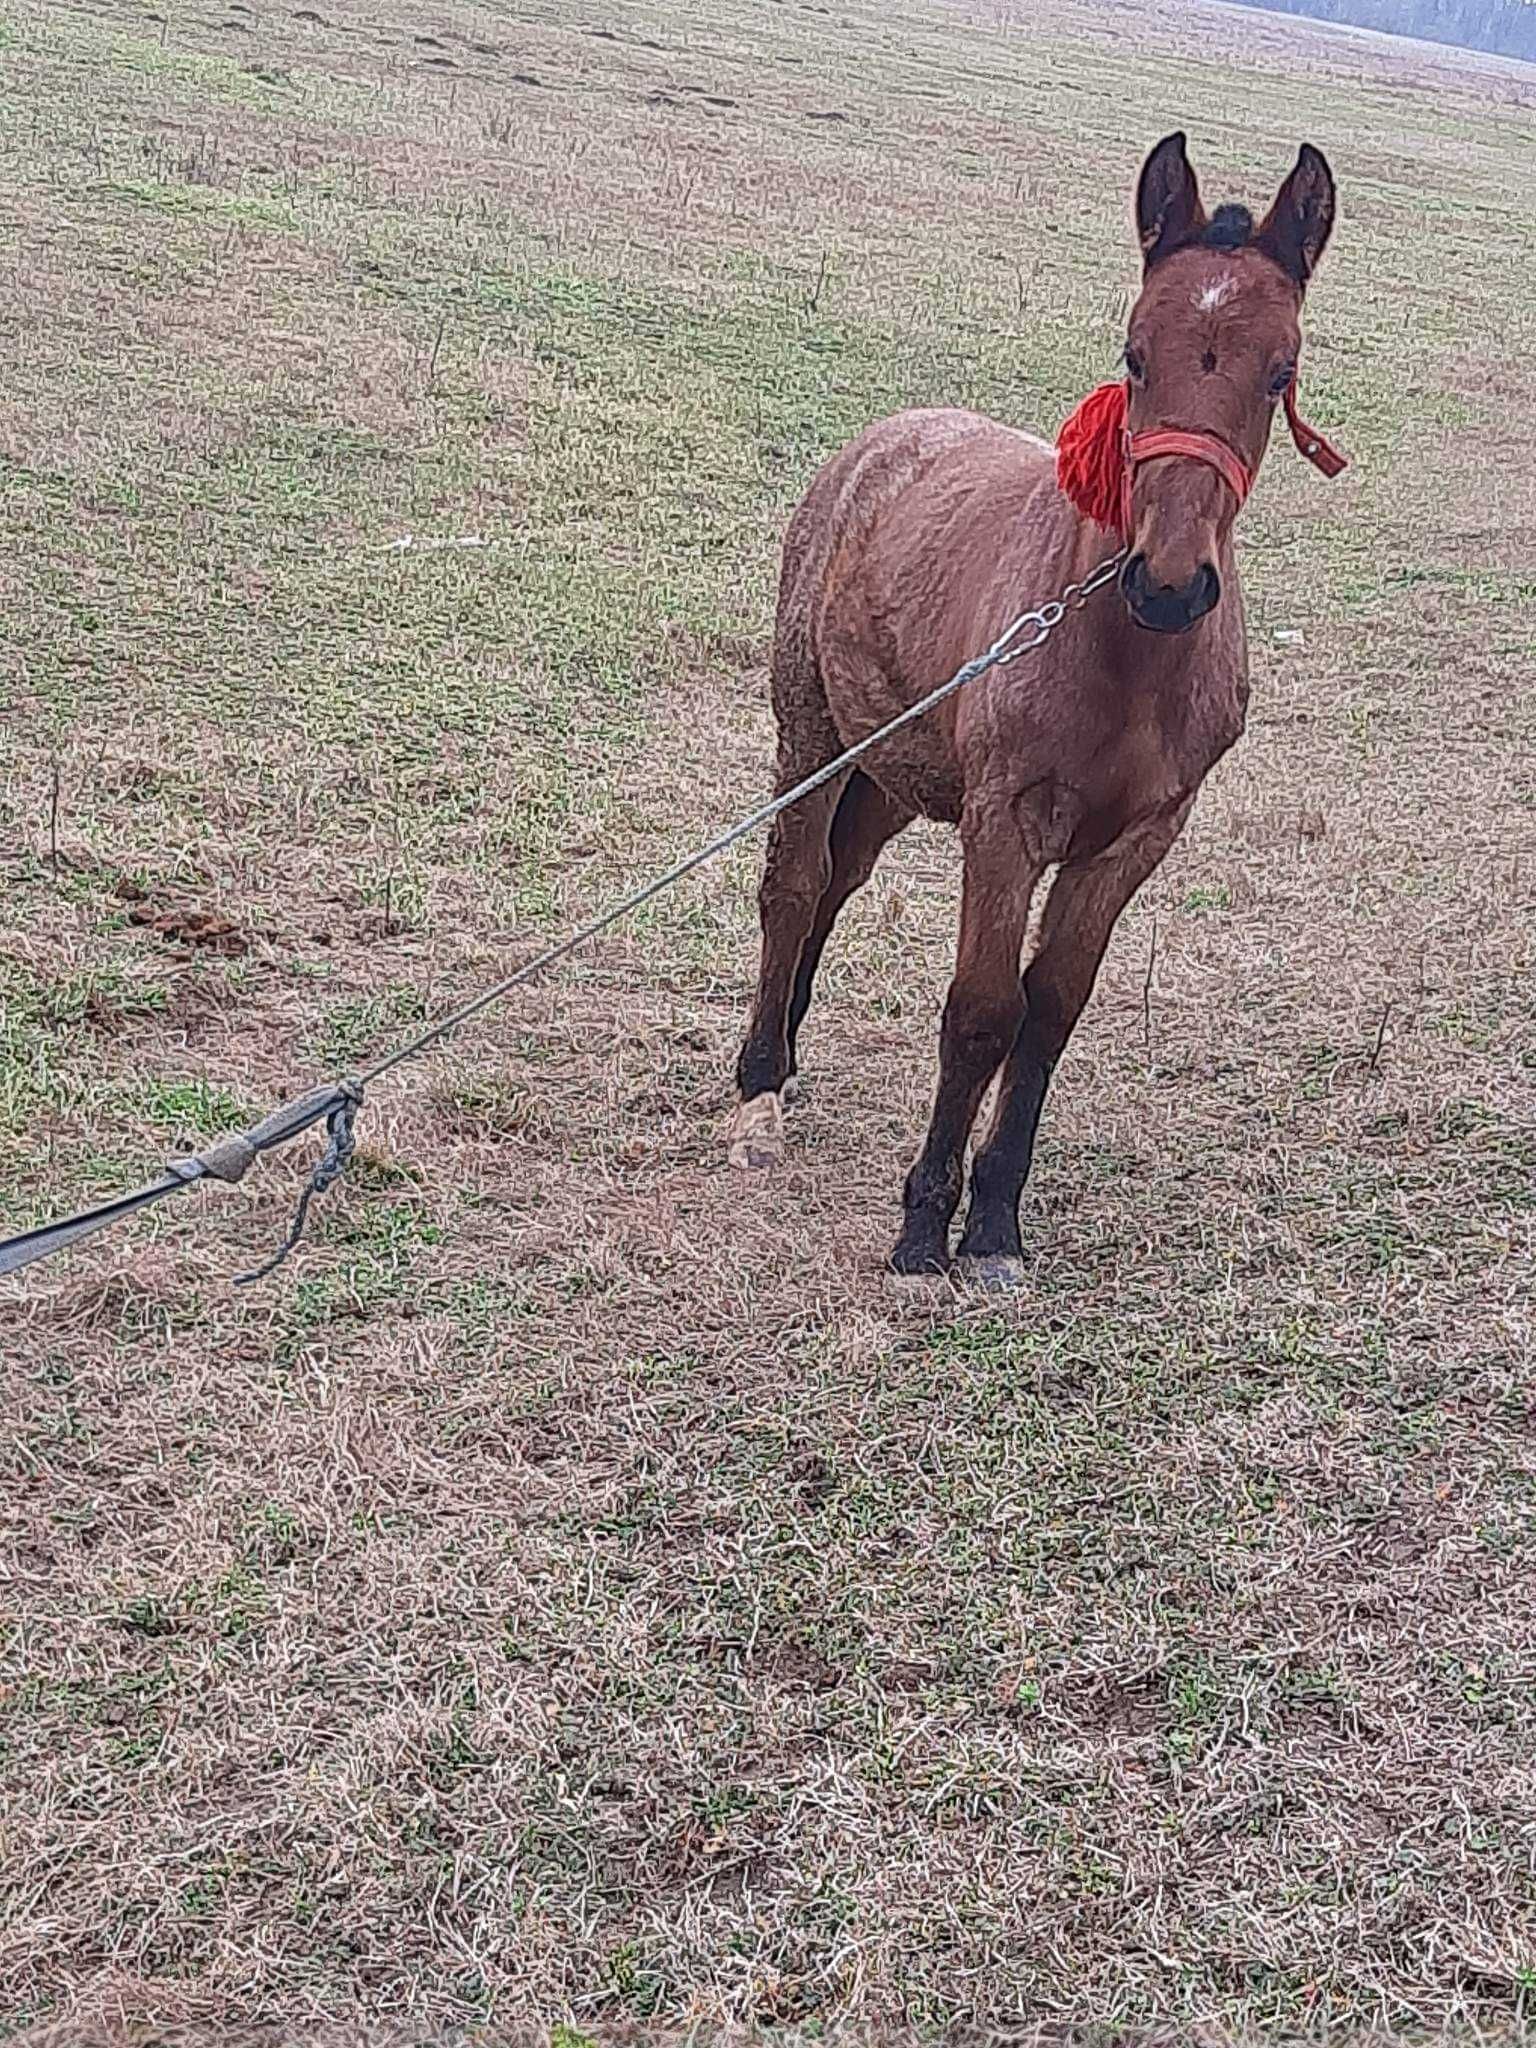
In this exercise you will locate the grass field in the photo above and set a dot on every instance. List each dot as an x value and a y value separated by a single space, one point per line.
577 1589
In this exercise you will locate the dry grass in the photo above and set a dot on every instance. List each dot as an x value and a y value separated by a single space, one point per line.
578 1590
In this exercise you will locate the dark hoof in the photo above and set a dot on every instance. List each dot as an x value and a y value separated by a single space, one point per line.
922 1262
919 1287
992 1273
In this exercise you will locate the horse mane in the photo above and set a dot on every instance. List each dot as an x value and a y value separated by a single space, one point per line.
1230 227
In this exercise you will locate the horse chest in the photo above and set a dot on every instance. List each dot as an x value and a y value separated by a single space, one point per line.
1073 791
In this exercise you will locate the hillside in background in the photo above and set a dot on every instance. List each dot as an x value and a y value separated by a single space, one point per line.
1507 28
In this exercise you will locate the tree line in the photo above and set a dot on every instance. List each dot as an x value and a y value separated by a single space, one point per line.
1505 27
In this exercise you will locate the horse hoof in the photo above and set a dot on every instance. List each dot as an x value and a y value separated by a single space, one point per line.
993 1273
756 1135
790 1093
904 1264
921 1286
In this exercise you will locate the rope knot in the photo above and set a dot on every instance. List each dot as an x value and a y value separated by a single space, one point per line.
341 1137
340 1145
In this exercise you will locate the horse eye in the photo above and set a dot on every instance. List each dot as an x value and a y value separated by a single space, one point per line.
1282 381
1135 366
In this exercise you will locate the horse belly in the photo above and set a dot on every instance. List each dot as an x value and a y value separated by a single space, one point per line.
916 778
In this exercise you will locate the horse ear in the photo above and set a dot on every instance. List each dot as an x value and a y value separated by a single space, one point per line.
1168 209
1295 231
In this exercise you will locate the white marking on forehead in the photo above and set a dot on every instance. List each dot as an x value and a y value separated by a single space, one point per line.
1215 295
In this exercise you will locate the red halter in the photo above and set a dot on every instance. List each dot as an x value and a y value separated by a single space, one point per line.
1206 448
1097 455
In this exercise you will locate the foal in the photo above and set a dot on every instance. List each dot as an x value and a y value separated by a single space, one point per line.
909 552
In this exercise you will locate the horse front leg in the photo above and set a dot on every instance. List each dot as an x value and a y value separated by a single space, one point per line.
1080 914
981 1020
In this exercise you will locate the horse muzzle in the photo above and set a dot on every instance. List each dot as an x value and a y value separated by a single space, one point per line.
1167 608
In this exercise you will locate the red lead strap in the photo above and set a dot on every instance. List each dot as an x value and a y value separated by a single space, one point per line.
1316 447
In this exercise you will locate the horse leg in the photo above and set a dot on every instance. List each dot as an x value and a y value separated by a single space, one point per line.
795 877
981 1019
865 822
1080 913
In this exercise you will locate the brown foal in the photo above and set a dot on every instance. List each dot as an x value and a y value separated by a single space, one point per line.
909 552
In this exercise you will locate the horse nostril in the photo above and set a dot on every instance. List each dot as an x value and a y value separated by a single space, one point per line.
1204 592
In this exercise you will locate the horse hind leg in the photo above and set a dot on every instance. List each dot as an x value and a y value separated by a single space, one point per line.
866 820
796 872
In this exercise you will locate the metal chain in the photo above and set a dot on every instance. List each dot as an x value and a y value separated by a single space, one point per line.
1073 599
339 1102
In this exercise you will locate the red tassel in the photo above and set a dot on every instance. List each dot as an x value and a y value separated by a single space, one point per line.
1090 457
